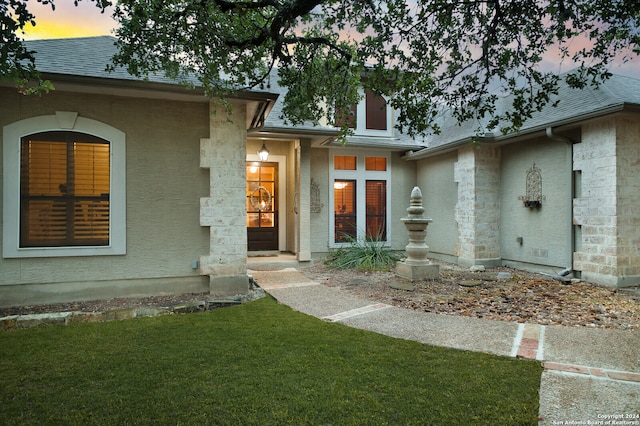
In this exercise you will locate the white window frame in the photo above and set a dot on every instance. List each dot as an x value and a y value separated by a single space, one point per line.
70 122
361 119
361 176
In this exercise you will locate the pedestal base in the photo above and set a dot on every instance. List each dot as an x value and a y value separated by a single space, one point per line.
427 271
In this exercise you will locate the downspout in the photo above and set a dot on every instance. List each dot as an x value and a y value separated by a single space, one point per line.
551 135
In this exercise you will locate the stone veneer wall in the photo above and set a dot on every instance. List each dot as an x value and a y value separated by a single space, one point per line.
607 210
224 154
477 211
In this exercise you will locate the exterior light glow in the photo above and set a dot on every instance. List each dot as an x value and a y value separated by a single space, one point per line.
263 153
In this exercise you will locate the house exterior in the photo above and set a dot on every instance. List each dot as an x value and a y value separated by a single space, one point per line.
563 192
116 187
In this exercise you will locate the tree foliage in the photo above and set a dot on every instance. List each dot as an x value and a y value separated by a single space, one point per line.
424 56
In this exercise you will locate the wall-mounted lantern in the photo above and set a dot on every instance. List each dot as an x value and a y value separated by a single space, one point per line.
263 153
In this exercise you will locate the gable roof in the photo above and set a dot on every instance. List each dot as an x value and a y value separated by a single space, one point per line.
276 123
575 105
83 57
85 60
578 104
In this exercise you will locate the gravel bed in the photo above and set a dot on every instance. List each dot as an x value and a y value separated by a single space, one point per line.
523 297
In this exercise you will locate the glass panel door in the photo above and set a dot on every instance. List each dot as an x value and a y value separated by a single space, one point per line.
262 206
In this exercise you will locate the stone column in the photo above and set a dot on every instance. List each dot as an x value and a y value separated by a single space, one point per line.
477 211
608 201
224 211
417 266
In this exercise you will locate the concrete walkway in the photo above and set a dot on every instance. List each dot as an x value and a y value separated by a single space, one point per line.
591 376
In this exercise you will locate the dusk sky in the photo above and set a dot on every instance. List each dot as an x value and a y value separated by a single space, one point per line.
69 20
86 20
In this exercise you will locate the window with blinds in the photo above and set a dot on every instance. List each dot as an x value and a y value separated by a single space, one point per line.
375 114
360 196
64 190
350 119
345 162
345 219
376 211
376 111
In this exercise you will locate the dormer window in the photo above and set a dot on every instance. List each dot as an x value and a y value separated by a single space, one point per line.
376 107
351 119
371 116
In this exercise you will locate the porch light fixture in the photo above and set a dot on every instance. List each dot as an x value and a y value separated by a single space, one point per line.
263 153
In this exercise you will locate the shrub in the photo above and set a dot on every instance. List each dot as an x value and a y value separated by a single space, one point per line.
371 254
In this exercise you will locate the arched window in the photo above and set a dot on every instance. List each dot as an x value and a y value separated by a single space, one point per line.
64 190
63 187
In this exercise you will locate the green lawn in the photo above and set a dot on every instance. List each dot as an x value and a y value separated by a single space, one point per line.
255 364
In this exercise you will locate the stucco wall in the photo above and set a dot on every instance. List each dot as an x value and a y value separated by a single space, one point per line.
472 197
403 179
435 177
545 232
320 221
164 185
628 204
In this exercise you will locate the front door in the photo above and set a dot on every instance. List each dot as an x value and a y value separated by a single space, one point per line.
262 206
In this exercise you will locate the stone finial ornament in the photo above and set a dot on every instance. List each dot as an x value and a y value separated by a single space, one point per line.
417 266
415 205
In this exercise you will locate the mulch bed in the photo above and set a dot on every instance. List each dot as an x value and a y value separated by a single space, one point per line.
524 297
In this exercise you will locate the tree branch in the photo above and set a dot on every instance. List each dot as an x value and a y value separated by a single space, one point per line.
226 6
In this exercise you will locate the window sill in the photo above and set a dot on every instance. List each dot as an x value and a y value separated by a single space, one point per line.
115 250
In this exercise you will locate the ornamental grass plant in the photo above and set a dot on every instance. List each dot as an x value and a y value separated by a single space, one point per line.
370 254
259 363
